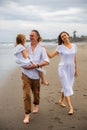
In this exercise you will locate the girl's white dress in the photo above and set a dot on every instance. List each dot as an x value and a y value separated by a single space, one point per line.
66 68
19 56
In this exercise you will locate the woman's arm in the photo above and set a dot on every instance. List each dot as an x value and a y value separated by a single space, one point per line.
51 55
76 70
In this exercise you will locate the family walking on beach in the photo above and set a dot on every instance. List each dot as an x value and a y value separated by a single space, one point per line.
33 57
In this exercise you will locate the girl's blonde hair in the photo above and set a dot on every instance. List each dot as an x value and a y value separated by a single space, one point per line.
20 39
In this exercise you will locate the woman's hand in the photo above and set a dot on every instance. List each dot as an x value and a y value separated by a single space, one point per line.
76 72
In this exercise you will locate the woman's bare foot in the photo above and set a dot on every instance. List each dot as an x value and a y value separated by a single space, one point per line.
35 109
71 111
26 119
62 103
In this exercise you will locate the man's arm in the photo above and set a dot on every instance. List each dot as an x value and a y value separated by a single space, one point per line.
33 66
43 63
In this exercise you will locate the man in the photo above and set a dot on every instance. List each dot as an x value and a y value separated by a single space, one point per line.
30 75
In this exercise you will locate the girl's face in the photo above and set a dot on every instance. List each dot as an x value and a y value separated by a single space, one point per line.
64 36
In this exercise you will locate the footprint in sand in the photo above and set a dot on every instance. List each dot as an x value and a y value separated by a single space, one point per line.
58 119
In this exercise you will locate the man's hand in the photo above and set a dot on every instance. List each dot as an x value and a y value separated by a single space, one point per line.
32 66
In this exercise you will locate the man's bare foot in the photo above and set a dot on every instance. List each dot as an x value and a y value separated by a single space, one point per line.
26 119
35 109
62 103
44 82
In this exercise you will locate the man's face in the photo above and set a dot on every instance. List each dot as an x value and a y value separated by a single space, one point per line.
33 37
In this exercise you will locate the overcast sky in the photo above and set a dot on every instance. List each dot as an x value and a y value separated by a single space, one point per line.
49 17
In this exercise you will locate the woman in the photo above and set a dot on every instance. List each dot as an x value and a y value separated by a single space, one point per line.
67 68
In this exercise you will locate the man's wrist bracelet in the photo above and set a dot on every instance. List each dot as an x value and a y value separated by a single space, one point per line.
38 66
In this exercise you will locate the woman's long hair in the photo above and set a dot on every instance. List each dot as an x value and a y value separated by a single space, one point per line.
59 39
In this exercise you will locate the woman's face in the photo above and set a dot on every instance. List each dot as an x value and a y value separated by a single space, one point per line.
64 36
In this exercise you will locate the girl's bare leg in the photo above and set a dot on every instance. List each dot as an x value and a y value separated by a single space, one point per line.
43 81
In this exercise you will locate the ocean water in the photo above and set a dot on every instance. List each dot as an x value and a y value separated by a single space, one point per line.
7 60
11 44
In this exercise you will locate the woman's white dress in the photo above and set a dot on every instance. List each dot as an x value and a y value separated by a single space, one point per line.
66 68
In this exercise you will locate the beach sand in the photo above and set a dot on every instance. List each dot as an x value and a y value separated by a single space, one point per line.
50 116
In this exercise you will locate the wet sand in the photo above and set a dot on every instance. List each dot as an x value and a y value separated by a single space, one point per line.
50 116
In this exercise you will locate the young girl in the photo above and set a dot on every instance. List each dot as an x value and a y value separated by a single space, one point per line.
22 59
67 68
